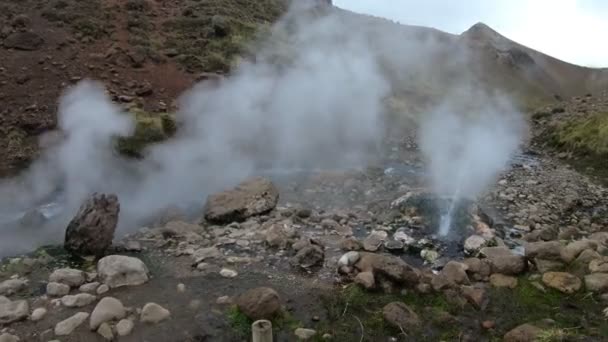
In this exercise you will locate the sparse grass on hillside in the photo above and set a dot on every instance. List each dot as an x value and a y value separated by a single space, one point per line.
208 36
88 19
588 135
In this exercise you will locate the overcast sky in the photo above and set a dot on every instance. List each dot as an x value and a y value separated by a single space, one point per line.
572 30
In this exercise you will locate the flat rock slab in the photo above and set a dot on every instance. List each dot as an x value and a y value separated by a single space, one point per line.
255 196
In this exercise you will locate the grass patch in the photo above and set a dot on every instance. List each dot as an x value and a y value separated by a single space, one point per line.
526 303
150 128
587 136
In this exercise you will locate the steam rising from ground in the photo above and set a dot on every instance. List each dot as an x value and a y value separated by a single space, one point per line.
318 107
467 146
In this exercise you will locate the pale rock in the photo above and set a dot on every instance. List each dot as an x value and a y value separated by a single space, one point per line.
57 289
106 332
12 286
103 288
124 327
119 270
573 249
89 288
365 279
68 276
304 334
473 244
106 310
38 314
501 280
349 258
228 273
78 301
154 313
6 337
597 282
599 265
13 311
70 324
181 288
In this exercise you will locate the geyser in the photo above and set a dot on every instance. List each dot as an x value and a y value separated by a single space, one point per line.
467 146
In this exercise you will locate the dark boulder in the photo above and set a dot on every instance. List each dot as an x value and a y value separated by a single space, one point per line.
91 231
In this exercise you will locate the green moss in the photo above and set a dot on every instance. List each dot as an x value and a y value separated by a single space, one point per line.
150 128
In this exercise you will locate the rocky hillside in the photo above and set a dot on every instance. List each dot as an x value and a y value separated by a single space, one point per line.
147 52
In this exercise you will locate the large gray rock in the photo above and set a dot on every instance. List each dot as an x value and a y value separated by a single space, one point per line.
78 300
255 196
119 270
259 303
154 313
13 311
91 231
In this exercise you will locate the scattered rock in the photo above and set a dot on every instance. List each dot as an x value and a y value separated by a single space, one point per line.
89 288
388 266
503 261
375 239
544 266
365 279
206 253
455 272
401 316
599 265
13 311
118 270
562 281
154 313
181 288
38 314
473 244
78 301
476 296
547 250
107 309
252 197
106 332
259 303
349 259
103 288
91 231
124 327
304 334
597 282
308 256
573 249
228 273
12 286
27 41
68 276
57 289
523 333
6 337
501 280
350 244
68 325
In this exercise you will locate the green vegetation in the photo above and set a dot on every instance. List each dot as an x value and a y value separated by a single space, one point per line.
526 303
210 35
588 136
150 128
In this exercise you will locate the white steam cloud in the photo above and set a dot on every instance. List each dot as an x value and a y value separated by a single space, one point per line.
319 105
467 146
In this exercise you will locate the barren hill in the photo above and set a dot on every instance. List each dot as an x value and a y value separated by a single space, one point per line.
147 52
